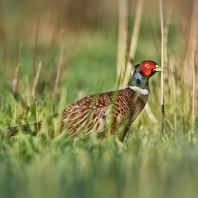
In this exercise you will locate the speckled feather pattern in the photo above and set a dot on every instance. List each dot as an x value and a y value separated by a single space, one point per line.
103 113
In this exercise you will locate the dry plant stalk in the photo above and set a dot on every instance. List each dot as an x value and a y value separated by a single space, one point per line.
59 65
122 71
150 114
122 38
35 46
27 92
20 47
134 41
162 64
36 79
15 82
194 80
190 60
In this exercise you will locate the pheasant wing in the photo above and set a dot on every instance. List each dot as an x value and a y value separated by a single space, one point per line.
88 114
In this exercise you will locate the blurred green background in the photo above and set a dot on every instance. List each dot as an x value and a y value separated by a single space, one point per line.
146 164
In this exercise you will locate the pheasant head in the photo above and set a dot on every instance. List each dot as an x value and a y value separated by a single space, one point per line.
140 79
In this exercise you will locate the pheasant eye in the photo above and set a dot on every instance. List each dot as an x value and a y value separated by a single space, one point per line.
147 68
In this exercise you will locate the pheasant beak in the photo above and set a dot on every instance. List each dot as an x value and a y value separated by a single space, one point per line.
158 68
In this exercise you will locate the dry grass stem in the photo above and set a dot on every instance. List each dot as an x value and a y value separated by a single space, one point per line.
20 47
193 93
134 41
122 38
162 63
27 93
36 79
136 29
15 82
170 125
150 114
35 46
189 60
59 65
194 79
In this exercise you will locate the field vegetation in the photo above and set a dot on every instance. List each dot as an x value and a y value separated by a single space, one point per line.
53 53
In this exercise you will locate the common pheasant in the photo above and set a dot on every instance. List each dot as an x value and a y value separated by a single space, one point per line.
107 113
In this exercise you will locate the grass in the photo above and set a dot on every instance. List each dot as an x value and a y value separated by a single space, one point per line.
146 165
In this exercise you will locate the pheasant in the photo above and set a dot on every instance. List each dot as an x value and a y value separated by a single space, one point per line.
107 113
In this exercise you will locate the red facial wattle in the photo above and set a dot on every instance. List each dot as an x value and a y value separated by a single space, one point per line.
147 68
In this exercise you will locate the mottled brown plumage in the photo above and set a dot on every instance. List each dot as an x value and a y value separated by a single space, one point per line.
107 113
103 113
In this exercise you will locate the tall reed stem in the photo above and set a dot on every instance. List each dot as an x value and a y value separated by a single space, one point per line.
134 41
162 64
123 6
35 46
